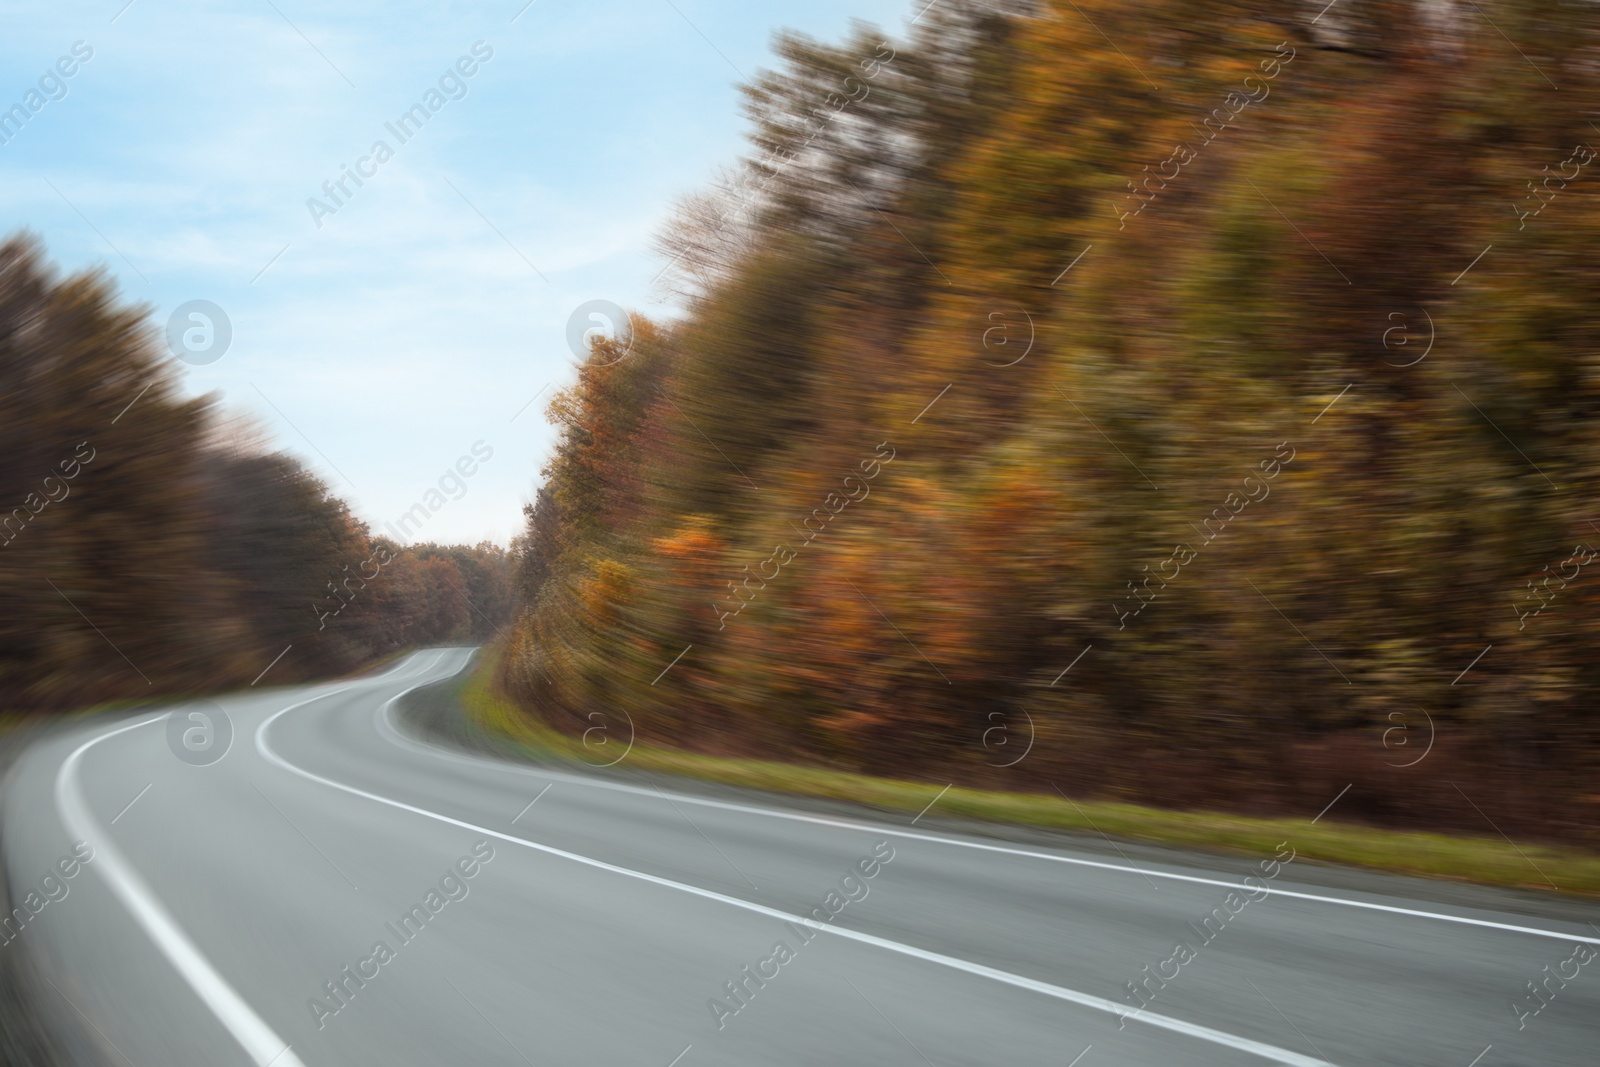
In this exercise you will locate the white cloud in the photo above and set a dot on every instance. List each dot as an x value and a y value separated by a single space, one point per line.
404 329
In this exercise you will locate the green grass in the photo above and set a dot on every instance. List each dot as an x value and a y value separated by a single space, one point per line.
1488 861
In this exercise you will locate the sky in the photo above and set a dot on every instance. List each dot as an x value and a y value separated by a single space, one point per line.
397 325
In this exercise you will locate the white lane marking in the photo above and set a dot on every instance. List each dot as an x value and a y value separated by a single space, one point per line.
259 1041
1163 1022
387 727
414 659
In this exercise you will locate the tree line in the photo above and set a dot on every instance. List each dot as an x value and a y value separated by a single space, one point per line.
1227 474
148 548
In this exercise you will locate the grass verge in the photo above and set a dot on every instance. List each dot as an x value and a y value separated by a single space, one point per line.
1486 861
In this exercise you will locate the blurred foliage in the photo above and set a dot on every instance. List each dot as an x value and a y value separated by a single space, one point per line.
890 267
143 552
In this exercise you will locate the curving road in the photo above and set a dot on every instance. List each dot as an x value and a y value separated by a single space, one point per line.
333 890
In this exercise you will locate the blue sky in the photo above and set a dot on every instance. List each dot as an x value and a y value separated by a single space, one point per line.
433 304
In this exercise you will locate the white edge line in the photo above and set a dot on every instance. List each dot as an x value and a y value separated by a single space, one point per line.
253 1034
1241 1044
259 1041
387 727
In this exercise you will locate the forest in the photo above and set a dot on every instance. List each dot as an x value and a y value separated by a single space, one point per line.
1179 403
152 547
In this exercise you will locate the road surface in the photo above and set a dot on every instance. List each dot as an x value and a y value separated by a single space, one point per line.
335 890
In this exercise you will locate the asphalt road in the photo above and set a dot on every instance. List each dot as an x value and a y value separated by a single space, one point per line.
273 907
